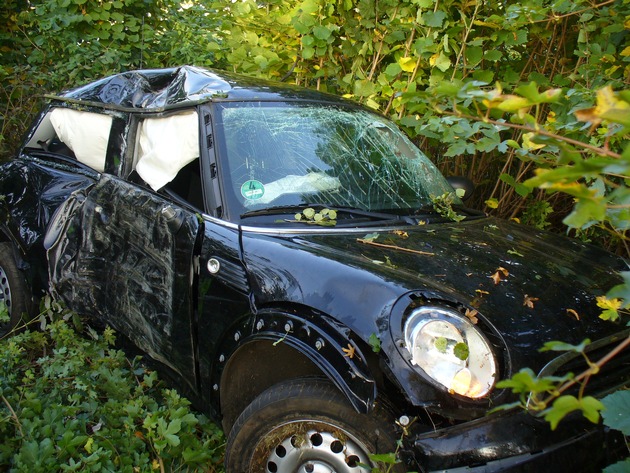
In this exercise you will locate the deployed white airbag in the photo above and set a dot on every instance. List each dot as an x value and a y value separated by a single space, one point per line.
85 133
166 145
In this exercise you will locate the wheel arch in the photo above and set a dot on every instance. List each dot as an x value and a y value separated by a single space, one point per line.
284 345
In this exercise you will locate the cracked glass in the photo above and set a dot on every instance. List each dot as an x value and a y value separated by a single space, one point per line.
295 154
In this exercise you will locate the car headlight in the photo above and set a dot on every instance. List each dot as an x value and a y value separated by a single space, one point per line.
451 350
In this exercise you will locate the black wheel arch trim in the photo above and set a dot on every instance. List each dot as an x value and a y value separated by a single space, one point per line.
313 335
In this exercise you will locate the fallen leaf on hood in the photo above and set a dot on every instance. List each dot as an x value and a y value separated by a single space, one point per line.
528 301
573 313
401 233
500 274
349 352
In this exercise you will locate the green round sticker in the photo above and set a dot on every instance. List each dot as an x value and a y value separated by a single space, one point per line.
252 189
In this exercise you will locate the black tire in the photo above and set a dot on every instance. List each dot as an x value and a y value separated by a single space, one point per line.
13 290
306 425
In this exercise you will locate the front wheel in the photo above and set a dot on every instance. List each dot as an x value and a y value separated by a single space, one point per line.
307 426
13 290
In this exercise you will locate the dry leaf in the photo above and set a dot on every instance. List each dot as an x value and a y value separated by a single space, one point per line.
472 315
401 233
500 274
573 313
529 301
349 352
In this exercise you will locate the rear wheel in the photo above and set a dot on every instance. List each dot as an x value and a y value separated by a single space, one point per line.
307 426
13 290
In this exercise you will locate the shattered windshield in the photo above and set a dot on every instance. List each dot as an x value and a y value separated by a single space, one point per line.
283 154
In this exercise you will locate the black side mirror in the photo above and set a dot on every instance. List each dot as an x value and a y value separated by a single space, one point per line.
460 182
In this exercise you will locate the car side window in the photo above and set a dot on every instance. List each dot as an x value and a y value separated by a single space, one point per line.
165 145
187 185
76 134
167 156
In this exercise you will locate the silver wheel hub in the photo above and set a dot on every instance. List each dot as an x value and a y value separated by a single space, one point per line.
318 450
5 289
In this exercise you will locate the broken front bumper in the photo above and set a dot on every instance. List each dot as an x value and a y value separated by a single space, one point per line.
517 441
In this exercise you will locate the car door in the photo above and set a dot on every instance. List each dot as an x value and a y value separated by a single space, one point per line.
124 251
126 255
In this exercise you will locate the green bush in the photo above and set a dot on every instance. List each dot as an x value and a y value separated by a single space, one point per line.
71 403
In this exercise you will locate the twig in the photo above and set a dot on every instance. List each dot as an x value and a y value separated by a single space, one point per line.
13 415
394 247
591 370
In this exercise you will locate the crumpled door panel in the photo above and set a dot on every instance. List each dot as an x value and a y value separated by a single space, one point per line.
126 254
32 192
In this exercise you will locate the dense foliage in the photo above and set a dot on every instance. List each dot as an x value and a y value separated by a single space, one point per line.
395 56
76 403
527 98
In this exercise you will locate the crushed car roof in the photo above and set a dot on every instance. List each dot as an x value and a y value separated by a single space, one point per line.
161 89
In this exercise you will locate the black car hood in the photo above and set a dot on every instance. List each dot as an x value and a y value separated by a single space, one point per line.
531 286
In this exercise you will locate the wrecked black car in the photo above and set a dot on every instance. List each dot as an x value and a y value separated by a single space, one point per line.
278 251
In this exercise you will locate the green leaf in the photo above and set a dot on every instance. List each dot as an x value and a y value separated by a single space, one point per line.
393 69
525 381
442 62
474 55
493 55
433 19
441 343
492 203
321 32
564 405
560 408
561 346
461 351
389 458
619 467
617 413
621 291
375 343
363 88
586 213
407 64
